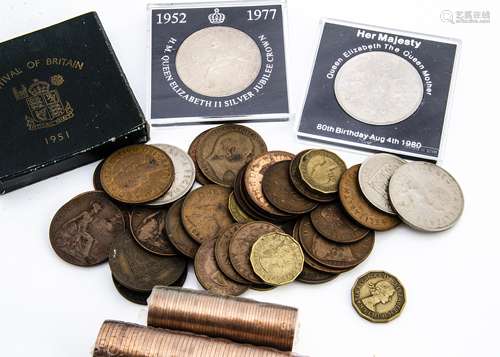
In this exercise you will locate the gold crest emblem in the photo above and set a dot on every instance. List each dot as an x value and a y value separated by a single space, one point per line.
46 109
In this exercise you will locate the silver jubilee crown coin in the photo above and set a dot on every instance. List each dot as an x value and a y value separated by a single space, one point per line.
374 176
426 197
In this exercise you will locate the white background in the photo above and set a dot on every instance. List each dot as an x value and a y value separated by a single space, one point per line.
52 309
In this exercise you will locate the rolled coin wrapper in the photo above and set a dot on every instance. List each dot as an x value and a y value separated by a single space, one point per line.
129 340
238 319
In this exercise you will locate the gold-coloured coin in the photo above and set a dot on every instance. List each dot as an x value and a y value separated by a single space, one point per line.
378 296
321 170
238 214
277 258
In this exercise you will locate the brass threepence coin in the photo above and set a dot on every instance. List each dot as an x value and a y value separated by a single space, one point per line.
222 254
333 223
83 230
176 232
321 170
148 228
193 148
331 254
209 274
224 150
254 174
137 174
241 244
96 179
374 176
236 211
140 270
359 208
280 191
378 296
277 258
205 212
310 275
301 186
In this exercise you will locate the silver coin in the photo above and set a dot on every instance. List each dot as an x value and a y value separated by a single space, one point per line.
374 176
426 197
378 88
184 175
218 61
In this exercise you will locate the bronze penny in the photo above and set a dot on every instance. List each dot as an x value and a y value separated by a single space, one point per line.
177 235
359 208
254 174
240 247
301 186
333 223
96 179
331 254
137 297
244 202
148 228
140 270
224 150
193 148
222 254
83 230
137 174
205 212
310 275
209 274
279 190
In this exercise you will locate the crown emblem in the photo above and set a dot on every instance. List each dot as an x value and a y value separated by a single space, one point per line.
216 17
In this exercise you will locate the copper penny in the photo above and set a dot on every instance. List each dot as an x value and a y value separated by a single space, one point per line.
222 254
83 230
96 179
140 270
241 244
254 174
137 174
209 274
176 232
193 148
279 190
310 275
331 254
333 223
301 186
224 150
148 228
205 212
359 208
244 202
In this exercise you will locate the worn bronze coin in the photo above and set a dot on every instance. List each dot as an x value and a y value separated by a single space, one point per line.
310 275
356 205
140 270
205 212
240 247
193 148
96 179
222 254
209 274
331 254
321 170
243 201
302 187
279 190
137 174
254 173
83 230
148 228
333 223
236 211
137 297
224 150
176 232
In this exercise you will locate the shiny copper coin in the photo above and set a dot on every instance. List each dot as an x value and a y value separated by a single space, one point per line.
240 247
193 148
137 174
331 254
254 174
224 150
280 191
243 201
96 179
310 275
356 205
333 223
222 254
140 270
210 276
301 186
83 230
205 212
176 233
148 228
